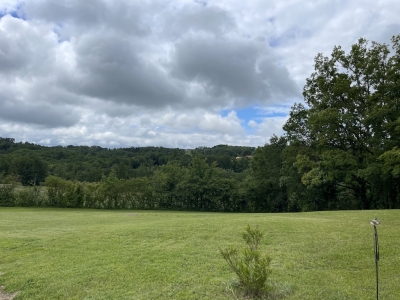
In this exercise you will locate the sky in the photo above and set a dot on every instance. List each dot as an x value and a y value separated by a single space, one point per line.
178 74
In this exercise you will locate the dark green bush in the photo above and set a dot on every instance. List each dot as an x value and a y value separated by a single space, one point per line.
30 196
7 196
64 193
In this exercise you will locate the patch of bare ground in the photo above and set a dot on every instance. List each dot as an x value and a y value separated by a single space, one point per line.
132 214
6 296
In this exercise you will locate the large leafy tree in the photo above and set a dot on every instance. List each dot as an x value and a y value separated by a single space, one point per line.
352 118
263 191
31 169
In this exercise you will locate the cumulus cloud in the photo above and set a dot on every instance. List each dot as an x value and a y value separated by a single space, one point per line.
237 71
124 73
25 50
197 19
111 68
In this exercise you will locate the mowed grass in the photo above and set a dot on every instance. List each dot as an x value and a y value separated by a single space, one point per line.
100 254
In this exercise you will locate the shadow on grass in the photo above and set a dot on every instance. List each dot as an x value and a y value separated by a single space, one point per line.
274 291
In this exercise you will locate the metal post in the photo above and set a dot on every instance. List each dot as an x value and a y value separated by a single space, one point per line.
375 222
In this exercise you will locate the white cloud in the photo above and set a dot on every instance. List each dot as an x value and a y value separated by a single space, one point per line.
122 73
252 123
223 125
9 6
271 126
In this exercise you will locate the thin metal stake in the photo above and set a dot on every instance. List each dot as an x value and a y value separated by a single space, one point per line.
375 222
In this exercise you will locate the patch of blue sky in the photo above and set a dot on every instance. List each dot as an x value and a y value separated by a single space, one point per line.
259 112
15 12
247 114
256 114
278 110
244 114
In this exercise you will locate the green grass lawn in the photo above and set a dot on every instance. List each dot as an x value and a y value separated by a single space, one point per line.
99 254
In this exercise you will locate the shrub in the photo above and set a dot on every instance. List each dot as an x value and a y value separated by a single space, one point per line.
30 196
64 193
7 197
251 267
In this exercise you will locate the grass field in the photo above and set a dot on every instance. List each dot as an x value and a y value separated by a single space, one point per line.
99 254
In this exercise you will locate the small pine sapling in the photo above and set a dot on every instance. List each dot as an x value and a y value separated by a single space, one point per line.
251 267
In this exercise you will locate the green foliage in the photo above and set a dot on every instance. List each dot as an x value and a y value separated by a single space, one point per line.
31 169
265 193
30 196
350 121
391 162
339 151
204 179
8 179
223 151
251 268
7 196
252 237
63 193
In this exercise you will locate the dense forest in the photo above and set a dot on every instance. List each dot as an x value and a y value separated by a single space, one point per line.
340 150
32 163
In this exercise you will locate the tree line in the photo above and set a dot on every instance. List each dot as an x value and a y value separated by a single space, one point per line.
340 150
31 163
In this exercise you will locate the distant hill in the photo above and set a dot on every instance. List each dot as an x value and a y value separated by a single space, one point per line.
90 163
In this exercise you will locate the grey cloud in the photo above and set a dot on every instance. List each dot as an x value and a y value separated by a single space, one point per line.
194 17
27 72
113 68
83 12
51 94
38 114
384 35
111 71
12 56
145 122
277 78
74 16
128 69
230 67
23 49
221 65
